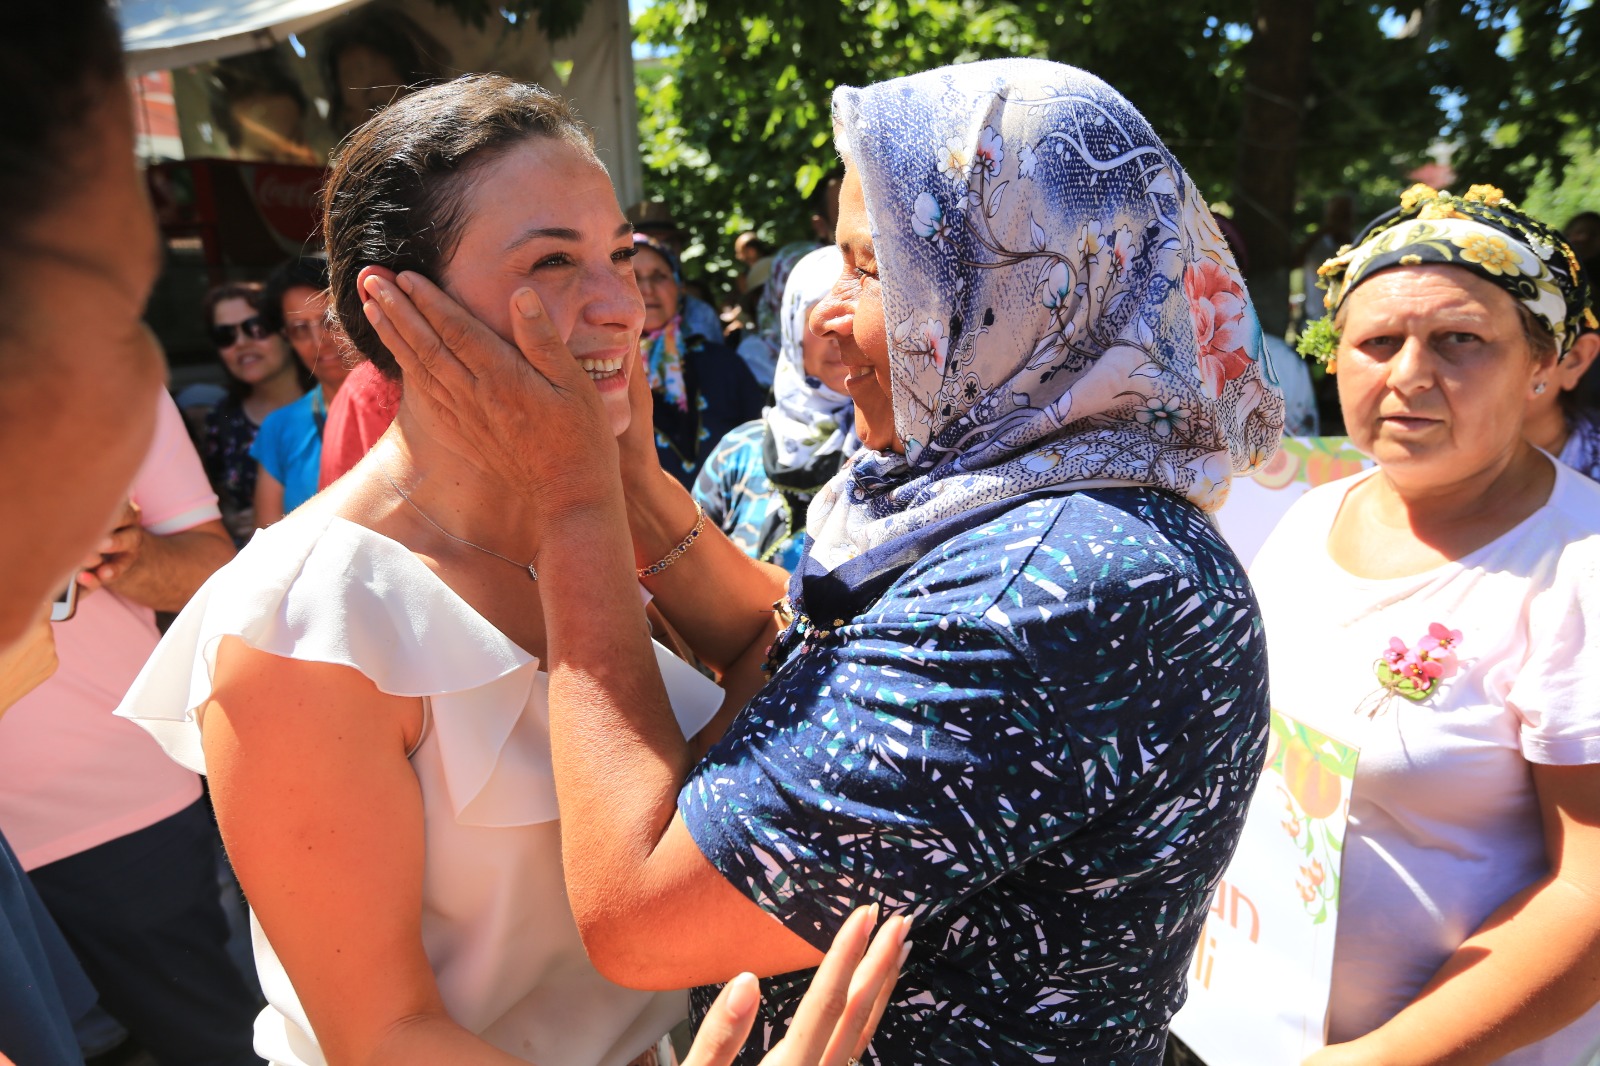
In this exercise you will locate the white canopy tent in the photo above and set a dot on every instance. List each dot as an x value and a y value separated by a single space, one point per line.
163 34
169 34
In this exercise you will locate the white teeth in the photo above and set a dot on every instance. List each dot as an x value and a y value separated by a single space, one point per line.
600 367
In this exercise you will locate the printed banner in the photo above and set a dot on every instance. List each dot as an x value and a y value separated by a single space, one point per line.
1256 503
1258 988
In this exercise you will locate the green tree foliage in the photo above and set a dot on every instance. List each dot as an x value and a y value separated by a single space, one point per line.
735 115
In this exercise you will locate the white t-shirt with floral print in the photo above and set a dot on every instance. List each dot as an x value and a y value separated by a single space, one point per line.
1497 650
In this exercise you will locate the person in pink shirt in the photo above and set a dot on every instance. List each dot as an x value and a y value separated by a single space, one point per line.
114 835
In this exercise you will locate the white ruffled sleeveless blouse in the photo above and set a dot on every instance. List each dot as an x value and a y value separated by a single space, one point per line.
495 923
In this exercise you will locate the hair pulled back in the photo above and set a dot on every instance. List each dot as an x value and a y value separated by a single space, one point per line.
396 194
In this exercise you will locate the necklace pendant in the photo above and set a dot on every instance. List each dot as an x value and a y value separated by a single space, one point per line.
532 572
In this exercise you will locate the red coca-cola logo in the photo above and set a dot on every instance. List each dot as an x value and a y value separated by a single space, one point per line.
289 199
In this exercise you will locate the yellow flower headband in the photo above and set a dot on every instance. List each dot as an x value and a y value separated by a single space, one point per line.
1482 232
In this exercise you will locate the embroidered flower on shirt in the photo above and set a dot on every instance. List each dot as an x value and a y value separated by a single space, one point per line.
1414 672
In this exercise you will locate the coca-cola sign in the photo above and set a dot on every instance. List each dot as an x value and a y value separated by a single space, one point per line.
288 198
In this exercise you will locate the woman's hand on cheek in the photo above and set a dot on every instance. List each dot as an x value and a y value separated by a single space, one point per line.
499 400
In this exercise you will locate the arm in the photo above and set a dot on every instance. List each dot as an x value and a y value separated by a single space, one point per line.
157 571
1532 968
609 720
269 498
715 595
333 863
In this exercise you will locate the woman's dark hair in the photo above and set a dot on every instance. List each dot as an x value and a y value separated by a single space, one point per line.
56 61
301 272
248 291
395 193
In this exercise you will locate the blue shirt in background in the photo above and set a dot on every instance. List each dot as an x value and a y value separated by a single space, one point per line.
289 447
739 499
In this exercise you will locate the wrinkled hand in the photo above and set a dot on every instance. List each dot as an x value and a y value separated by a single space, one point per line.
118 553
28 663
526 409
836 1019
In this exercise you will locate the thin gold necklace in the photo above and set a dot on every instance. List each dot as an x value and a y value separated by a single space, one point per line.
460 540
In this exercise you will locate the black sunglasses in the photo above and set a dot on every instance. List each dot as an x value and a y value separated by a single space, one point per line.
226 336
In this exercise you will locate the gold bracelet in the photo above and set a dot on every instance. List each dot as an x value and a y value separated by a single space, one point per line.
683 545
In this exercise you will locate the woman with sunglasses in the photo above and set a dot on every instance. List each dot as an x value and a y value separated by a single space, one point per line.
263 376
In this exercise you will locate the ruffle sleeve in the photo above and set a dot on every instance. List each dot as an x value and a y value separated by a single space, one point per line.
323 589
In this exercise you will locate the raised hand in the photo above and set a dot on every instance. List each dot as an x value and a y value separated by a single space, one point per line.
526 408
839 1013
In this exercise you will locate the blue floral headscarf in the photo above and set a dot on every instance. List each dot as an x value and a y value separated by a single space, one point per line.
1062 309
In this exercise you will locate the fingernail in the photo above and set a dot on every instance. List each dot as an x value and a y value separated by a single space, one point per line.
527 303
405 282
744 994
371 309
905 953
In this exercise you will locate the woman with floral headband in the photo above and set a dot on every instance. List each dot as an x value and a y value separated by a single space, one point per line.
1442 613
1023 695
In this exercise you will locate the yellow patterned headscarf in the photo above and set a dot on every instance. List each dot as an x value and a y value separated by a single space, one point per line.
1480 231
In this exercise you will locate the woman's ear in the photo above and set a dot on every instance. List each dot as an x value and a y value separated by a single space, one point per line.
1570 370
373 272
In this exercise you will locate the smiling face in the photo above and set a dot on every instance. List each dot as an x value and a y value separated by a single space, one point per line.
575 250
852 315
1434 370
305 323
249 358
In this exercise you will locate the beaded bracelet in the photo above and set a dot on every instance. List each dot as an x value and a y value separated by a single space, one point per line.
683 545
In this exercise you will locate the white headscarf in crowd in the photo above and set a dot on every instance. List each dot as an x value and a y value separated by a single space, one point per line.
807 418
1060 305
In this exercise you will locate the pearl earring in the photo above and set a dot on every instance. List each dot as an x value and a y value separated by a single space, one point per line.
1538 388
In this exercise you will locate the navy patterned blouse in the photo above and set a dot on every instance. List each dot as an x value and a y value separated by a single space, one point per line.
1040 741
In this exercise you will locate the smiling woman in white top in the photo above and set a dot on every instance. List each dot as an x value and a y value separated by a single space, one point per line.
1441 612
366 685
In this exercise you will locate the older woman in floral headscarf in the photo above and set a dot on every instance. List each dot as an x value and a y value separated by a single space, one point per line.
1439 613
1022 698
758 482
